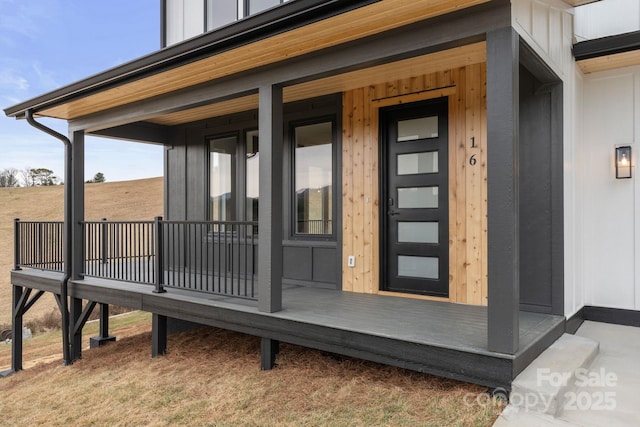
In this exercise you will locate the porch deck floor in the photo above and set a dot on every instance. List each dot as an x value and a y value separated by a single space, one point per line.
438 337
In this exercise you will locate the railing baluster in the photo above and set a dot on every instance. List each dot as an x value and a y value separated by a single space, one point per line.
159 255
205 256
16 244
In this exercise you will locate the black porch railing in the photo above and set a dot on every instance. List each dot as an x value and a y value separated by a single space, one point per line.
39 244
216 257
120 250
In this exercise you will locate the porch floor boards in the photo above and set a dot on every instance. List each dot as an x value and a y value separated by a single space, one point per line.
429 336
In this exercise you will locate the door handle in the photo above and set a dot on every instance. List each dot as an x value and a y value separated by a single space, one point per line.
393 213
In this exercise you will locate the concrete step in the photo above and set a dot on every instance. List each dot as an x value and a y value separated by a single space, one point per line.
542 386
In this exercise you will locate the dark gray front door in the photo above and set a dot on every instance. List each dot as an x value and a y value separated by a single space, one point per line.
414 208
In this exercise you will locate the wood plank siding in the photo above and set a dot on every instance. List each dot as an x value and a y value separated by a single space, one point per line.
466 88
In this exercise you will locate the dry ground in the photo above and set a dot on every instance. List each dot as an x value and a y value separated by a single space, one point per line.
140 199
212 377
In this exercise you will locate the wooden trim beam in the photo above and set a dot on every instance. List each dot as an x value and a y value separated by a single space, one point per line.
502 190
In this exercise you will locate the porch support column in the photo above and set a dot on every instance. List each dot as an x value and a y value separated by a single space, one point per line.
269 349
271 215
77 240
16 329
502 188
104 336
158 335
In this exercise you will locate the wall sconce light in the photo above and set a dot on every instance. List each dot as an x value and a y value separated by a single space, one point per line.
623 162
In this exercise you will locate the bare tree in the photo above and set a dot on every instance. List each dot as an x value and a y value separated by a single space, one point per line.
27 179
9 178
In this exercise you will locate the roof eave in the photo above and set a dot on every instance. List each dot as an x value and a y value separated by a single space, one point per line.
604 46
288 16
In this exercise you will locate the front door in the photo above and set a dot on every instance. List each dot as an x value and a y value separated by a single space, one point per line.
414 208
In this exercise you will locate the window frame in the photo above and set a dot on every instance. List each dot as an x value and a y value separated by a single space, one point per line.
242 12
238 135
291 140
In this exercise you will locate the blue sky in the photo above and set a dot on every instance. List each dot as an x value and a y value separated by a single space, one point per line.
46 44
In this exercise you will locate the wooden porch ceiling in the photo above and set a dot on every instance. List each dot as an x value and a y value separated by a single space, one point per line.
609 62
365 21
405 69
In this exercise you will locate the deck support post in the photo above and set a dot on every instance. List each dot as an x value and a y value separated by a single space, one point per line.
502 190
158 335
16 329
75 314
104 336
77 237
77 203
270 220
269 349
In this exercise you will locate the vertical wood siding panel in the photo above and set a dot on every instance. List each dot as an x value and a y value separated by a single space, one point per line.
358 188
467 186
483 186
368 233
347 184
458 229
473 187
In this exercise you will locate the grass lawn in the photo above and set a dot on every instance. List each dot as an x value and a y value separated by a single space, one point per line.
213 377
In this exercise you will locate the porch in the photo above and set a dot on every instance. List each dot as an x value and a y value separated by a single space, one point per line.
440 338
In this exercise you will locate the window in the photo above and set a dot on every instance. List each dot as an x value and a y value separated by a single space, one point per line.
252 168
223 12
222 175
313 178
256 6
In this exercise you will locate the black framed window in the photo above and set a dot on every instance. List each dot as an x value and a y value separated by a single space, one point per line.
313 178
252 175
222 177
255 6
222 12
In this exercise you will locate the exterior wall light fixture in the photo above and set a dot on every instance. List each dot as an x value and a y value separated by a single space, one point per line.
623 162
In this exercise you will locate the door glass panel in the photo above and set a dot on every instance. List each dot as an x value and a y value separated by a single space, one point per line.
418 266
222 179
417 232
314 178
418 197
413 129
415 163
252 182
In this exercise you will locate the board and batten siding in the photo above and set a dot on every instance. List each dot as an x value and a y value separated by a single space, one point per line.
610 207
466 89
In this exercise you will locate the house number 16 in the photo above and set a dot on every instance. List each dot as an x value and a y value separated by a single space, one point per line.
472 159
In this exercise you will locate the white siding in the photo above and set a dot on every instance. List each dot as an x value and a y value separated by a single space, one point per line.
546 26
607 18
184 19
610 242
